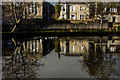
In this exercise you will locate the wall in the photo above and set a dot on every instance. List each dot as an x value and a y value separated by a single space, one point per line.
44 10
89 25
117 18
68 11
33 15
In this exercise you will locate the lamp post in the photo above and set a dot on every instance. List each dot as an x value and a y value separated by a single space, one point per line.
103 12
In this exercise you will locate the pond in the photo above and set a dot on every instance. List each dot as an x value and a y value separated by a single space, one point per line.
61 57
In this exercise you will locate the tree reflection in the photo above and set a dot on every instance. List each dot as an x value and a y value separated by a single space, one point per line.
99 64
19 66
57 47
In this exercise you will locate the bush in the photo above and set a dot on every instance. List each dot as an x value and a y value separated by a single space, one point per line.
63 21
57 10
80 23
118 28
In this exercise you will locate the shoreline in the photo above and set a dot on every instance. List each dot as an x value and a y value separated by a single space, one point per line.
58 34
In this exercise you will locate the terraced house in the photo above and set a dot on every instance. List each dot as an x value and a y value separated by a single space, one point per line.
74 10
39 10
114 15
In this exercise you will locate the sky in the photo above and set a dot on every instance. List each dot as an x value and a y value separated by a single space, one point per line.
83 0
53 2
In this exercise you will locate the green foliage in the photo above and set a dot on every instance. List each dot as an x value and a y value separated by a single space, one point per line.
57 10
118 28
57 45
63 21
80 23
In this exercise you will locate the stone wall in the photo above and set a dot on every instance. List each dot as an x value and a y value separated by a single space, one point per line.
62 26
89 25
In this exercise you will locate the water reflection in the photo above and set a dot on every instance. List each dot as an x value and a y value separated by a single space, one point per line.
83 45
74 46
98 56
100 65
20 58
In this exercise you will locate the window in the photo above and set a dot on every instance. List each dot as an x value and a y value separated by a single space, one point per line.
36 46
63 48
63 8
105 9
113 9
72 48
73 8
72 16
33 47
36 8
82 47
30 47
29 9
81 41
81 17
33 7
72 41
63 17
113 48
80 8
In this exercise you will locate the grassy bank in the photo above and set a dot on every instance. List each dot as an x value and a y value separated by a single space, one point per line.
60 31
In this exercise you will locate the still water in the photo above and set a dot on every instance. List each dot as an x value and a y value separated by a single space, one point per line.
61 57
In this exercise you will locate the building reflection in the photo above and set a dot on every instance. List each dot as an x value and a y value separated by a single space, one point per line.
37 48
113 45
99 54
100 65
96 54
22 61
74 46
83 45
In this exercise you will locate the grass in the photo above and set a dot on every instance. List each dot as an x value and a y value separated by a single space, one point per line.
63 21
81 22
62 31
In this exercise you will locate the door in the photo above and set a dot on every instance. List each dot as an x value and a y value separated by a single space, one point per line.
67 46
113 19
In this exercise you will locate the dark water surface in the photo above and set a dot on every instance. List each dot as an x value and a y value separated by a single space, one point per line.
61 57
